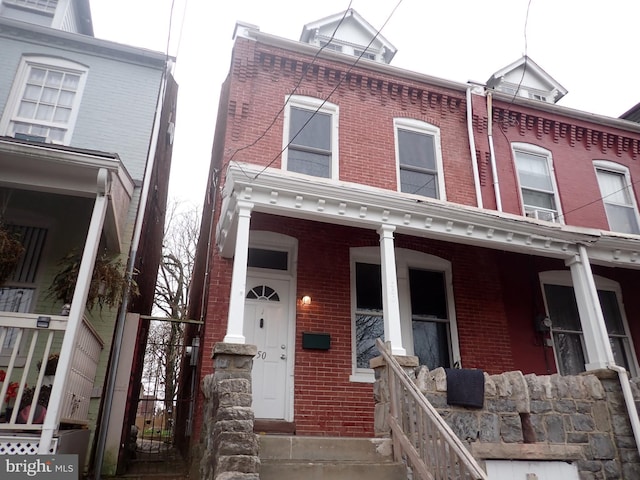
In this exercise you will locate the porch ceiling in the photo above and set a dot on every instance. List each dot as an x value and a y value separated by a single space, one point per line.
67 171
288 194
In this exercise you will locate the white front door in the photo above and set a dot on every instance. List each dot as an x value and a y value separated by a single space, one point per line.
266 325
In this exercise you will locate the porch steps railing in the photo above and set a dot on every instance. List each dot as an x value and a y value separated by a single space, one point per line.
420 435
28 340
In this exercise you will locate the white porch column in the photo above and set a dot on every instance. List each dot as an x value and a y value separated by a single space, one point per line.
596 338
390 302
235 321
78 303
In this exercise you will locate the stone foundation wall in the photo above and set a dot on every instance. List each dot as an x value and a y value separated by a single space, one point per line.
228 446
582 419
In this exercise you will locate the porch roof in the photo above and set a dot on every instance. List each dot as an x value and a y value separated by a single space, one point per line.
280 192
70 171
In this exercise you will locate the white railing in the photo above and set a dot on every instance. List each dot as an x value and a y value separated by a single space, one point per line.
420 435
27 342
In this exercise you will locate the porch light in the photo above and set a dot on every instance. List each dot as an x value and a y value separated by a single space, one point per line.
306 300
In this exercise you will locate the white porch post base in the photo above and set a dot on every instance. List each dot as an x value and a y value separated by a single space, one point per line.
390 302
235 321
596 339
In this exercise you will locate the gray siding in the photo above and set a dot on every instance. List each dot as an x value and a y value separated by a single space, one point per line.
26 15
118 103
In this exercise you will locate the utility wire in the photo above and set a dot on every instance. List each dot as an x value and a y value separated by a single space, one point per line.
340 81
295 89
526 58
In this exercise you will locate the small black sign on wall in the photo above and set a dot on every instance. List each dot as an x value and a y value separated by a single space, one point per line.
316 341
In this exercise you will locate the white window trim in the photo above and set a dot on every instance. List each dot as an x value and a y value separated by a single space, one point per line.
536 150
420 126
405 259
563 278
20 81
311 103
613 167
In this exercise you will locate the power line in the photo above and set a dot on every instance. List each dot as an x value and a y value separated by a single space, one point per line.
342 78
295 89
325 100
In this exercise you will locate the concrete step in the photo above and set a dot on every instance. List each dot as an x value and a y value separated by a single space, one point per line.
285 447
279 470
321 458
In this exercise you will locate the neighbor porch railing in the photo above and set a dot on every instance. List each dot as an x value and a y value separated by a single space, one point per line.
420 435
26 343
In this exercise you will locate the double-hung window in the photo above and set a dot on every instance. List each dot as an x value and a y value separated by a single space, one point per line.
311 137
45 99
419 158
617 196
537 183
566 329
426 308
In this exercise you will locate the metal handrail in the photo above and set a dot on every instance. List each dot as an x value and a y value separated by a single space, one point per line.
420 434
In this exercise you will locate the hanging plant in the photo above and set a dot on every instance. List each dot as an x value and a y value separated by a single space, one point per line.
108 283
11 250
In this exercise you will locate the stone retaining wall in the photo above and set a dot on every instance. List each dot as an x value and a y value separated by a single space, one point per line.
582 419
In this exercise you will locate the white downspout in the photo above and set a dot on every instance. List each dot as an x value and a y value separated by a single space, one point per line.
629 401
494 171
75 315
472 148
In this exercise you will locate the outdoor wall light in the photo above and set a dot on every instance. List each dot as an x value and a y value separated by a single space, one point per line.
306 300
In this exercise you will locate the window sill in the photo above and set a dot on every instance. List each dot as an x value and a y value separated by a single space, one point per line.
362 378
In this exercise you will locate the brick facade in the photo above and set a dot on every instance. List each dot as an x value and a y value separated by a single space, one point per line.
497 293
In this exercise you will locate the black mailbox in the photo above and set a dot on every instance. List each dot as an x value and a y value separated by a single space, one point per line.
316 341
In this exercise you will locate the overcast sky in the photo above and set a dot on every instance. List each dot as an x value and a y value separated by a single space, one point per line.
589 46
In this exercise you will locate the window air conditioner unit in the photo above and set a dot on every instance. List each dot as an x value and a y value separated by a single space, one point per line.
546 215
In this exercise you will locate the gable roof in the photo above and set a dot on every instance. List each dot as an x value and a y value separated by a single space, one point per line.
353 30
527 74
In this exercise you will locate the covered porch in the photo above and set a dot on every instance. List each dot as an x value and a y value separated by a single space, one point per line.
59 202
249 189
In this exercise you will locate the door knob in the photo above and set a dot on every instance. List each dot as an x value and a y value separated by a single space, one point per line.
283 356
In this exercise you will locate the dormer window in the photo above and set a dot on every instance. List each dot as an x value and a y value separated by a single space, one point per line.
526 79
331 46
348 33
363 54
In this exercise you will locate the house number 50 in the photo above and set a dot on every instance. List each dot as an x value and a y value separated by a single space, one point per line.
261 355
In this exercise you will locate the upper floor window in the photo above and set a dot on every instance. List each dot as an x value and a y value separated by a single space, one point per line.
419 158
617 195
44 100
537 183
311 137
47 6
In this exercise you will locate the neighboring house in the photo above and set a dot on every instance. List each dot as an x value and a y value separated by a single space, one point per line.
86 131
469 225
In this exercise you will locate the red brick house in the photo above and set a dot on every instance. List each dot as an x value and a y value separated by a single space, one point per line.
480 226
